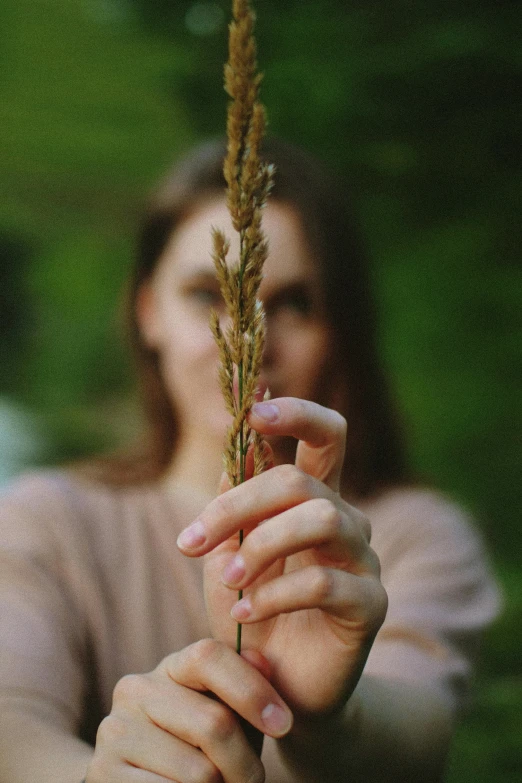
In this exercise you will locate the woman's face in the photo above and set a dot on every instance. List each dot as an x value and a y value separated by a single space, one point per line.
174 308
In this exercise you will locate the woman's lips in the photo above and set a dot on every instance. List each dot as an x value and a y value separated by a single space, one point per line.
262 388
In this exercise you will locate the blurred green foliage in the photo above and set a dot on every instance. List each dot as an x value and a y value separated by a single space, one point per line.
417 104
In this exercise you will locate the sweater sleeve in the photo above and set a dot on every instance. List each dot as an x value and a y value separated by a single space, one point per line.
41 627
441 594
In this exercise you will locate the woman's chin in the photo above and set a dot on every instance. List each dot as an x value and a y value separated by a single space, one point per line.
219 426
284 449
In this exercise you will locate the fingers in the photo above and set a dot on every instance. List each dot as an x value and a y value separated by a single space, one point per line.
321 433
248 504
318 524
211 666
103 770
165 726
224 483
137 742
208 738
320 453
324 516
358 602
257 660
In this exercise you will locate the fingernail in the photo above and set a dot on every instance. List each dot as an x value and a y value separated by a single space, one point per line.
242 610
235 571
192 536
224 483
276 719
266 411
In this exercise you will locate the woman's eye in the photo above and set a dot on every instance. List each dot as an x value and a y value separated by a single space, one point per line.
209 297
297 302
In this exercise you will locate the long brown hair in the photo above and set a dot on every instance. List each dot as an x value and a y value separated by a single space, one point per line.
375 454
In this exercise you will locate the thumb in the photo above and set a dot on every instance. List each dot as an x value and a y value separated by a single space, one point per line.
258 661
268 457
224 483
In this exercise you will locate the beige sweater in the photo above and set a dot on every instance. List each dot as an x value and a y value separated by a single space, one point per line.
92 586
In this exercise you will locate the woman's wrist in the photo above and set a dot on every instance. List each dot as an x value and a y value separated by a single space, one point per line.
324 748
389 730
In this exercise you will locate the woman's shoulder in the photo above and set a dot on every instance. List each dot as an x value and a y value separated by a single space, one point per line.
31 502
410 518
45 491
418 505
61 504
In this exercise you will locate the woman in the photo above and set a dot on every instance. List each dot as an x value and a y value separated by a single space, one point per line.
98 595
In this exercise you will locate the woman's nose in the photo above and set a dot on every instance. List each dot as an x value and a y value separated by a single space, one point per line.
269 353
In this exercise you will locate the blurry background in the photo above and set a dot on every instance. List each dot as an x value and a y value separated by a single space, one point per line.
418 104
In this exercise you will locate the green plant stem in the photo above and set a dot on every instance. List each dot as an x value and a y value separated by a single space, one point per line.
241 480
242 455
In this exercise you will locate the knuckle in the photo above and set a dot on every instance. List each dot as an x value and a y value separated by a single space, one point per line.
340 424
203 771
328 516
206 651
374 562
257 541
112 730
169 663
366 527
296 482
130 687
257 774
378 601
320 583
382 604
98 771
224 505
220 724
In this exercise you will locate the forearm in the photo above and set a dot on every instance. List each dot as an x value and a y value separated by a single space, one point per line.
389 730
34 749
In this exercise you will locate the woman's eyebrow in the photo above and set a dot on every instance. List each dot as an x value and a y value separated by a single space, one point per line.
303 287
203 274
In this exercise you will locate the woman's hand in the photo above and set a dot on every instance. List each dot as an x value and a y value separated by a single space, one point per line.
313 601
164 726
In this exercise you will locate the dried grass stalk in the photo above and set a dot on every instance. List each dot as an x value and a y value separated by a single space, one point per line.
249 181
